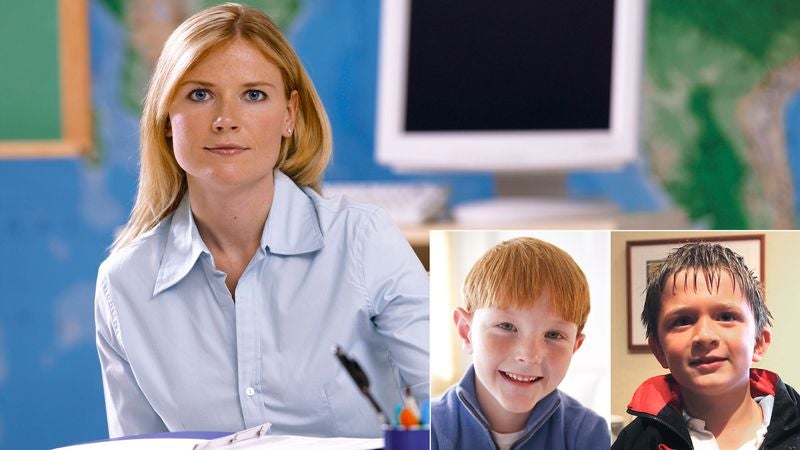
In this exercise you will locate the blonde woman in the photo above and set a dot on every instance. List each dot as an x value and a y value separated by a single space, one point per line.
223 295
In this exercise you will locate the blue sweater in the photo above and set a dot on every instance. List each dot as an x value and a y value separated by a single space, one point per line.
556 422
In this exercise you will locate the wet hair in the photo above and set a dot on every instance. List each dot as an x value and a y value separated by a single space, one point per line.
514 273
713 261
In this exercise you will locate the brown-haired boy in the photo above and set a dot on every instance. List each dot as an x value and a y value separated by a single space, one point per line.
707 323
526 302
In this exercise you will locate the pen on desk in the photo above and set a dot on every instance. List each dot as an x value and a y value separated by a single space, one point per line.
361 380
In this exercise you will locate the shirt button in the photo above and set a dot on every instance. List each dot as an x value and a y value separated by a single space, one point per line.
250 392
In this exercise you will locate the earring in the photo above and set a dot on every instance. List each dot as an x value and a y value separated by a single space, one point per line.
290 131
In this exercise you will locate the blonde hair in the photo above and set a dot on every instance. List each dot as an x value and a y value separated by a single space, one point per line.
162 182
514 273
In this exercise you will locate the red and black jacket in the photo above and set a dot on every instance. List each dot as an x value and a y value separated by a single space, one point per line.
659 423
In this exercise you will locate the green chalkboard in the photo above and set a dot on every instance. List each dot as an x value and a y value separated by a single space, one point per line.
30 108
44 105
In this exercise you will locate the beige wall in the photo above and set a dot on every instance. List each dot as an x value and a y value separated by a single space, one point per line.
782 249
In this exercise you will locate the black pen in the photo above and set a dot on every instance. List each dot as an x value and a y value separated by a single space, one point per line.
361 380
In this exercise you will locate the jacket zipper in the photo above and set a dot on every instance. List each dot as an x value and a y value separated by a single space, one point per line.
662 422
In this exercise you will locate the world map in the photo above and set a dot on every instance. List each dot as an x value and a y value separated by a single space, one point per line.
721 133
722 118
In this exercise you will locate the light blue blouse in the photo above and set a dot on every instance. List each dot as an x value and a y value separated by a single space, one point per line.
177 353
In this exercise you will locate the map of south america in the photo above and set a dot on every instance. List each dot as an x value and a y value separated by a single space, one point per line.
721 79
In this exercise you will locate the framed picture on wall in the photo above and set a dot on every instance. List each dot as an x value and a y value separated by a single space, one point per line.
643 257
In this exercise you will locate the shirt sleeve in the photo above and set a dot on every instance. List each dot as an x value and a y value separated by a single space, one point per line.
127 410
398 290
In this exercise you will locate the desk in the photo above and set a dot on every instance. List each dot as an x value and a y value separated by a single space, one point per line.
186 440
418 236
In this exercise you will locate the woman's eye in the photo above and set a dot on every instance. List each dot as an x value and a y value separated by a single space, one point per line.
255 96
199 95
506 326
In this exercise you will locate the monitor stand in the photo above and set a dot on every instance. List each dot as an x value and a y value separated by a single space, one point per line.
531 198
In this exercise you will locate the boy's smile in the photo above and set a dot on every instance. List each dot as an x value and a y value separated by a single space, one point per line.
707 363
520 356
520 378
707 335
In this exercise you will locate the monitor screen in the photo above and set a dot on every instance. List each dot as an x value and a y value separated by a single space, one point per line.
514 86
509 67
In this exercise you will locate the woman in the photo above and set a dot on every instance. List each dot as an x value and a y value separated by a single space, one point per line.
223 295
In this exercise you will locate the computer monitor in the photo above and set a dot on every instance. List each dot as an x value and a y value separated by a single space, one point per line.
523 86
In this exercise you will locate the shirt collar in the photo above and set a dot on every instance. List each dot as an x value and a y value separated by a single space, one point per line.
542 411
662 390
704 439
184 246
292 228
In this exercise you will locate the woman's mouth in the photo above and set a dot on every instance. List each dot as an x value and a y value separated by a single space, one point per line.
226 149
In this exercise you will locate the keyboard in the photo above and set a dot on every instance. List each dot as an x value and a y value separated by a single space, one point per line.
408 203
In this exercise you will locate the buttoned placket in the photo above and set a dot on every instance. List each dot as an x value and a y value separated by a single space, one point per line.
248 339
248 343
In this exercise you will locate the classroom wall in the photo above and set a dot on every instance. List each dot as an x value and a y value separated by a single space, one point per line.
781 248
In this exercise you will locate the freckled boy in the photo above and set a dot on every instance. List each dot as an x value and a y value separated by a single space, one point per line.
526 303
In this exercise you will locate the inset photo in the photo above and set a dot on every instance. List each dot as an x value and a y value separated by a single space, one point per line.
704 339
520 339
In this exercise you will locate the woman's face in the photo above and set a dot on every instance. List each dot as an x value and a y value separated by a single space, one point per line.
228 117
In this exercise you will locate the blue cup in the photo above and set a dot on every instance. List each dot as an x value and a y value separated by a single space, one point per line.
407 439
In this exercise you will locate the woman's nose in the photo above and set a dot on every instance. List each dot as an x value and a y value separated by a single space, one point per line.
226 118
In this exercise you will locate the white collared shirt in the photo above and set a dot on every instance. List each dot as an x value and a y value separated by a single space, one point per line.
705 440
177 353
